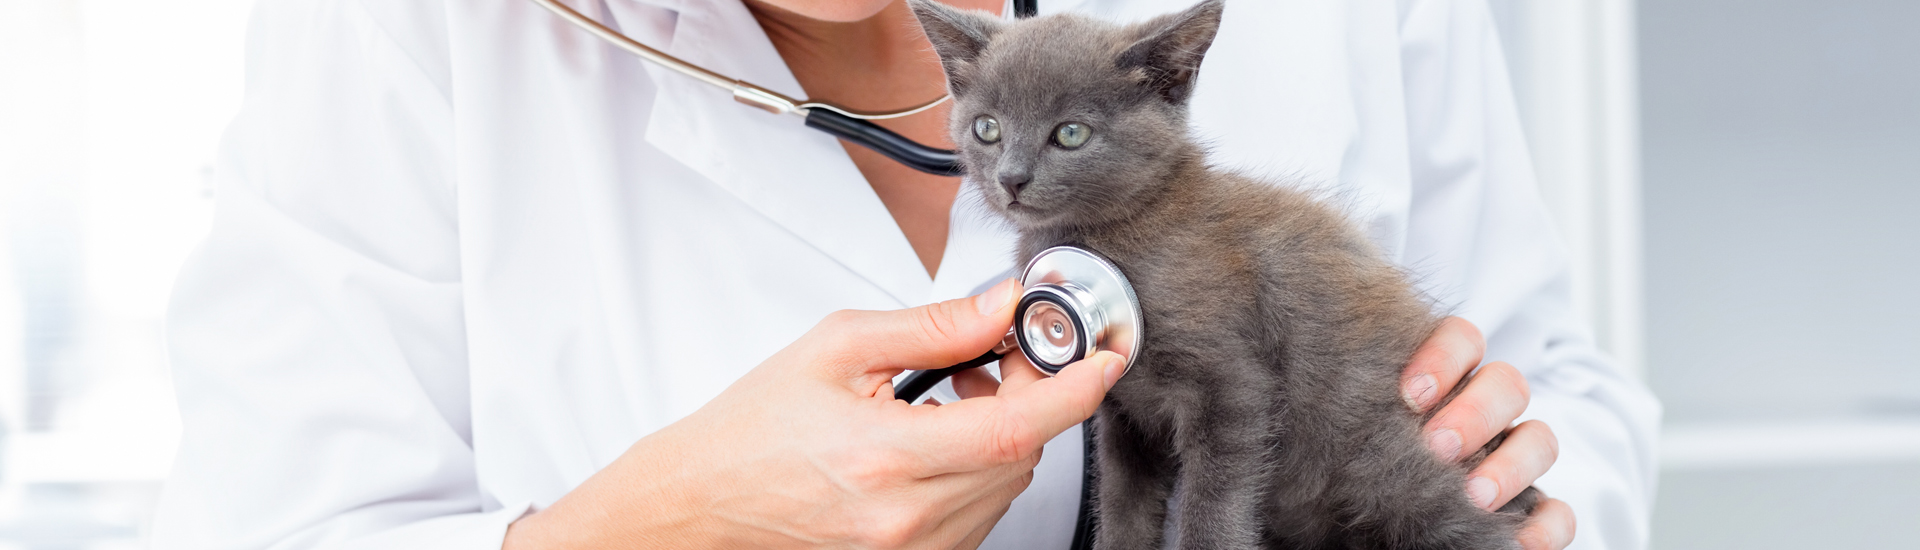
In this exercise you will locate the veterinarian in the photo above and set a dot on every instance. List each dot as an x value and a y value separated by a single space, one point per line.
479 280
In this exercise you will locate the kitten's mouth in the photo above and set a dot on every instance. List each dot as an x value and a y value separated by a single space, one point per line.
1024 214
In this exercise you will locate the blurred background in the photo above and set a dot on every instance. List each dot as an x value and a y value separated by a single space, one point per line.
110 111
1738 180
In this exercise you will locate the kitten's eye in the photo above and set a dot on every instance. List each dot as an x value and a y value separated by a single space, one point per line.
1072 135
987 129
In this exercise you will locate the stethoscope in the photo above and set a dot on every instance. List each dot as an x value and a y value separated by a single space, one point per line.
1074 303
854 126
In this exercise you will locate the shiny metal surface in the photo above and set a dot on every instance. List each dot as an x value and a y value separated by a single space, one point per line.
1008 344
1109 312
874 116
1060 324
1051 334
743 91
631 46
767 100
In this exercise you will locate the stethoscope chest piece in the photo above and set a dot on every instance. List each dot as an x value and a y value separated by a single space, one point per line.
1076 304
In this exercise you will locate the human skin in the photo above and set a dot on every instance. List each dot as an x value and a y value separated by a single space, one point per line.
810 449
871 56
1494 397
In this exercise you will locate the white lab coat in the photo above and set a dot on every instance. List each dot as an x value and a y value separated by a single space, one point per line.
465 255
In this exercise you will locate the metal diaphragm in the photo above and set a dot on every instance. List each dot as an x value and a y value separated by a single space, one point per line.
1076 304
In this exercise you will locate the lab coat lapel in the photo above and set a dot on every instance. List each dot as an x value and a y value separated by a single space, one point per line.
799 178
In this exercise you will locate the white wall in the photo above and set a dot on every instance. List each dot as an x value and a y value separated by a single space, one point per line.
1780 210
1783 207
1782 166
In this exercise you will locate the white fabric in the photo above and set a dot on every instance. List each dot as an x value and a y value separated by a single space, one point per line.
465 255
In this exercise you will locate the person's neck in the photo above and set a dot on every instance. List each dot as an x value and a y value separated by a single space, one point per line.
878 64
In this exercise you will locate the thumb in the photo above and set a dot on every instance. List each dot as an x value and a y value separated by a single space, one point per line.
978 433
866 343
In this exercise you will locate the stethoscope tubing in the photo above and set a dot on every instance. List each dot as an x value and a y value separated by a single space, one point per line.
932 160
1082 296
852 126
858 129
917 383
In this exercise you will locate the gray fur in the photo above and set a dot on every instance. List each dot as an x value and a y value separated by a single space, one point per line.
1267 392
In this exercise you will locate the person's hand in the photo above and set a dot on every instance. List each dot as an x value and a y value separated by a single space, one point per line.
811 449
1491 401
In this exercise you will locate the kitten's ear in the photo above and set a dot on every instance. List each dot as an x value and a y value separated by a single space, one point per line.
958 36
1168 53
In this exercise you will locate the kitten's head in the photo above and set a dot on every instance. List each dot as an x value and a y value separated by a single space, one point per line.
1065 120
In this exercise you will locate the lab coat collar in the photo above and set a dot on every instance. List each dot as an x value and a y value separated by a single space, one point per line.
797 177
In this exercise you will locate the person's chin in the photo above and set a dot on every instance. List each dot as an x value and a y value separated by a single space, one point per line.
832 11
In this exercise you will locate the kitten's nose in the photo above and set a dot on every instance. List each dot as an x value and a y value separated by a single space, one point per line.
1013 180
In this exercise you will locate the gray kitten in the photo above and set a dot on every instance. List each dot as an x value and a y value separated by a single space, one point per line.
1267 392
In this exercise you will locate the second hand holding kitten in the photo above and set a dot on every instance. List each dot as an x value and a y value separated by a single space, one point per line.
1268 392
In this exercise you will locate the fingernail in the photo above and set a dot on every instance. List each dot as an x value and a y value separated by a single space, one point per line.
1481 491
1445 443
1420 390
1116 366
994 299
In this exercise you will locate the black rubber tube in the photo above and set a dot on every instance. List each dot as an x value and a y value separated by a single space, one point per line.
932 160
881 140
1026 8
1088 520
919 382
